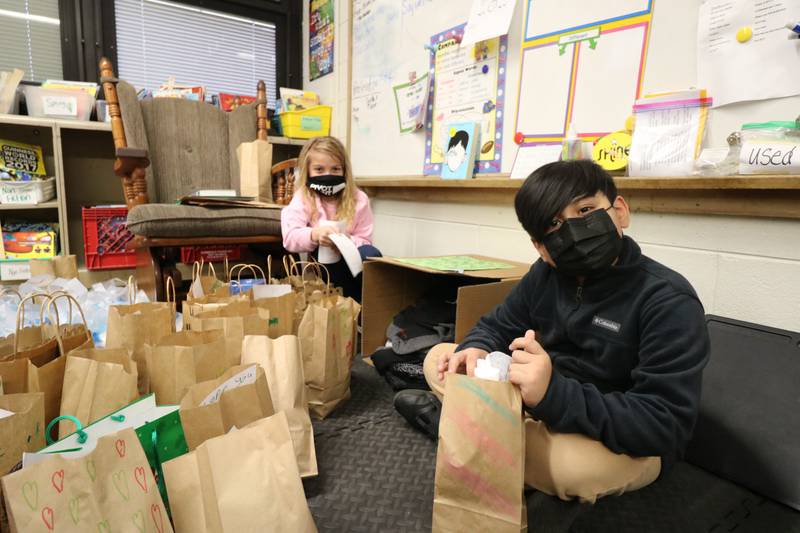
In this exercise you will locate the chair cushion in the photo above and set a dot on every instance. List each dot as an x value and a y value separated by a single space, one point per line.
173 221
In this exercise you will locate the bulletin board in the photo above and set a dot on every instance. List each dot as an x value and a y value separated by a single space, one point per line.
641 46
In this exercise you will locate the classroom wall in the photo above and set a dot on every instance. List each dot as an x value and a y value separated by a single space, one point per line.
742 268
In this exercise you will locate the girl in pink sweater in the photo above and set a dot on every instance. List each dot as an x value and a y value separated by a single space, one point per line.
325 191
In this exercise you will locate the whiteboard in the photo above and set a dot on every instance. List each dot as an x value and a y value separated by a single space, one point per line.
388 42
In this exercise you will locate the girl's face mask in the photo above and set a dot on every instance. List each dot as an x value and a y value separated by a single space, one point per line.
326 185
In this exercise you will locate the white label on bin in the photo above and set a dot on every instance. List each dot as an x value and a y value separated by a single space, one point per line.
15 271
60 105
764 157
311 123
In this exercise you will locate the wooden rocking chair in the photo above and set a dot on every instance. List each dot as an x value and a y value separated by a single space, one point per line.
168 148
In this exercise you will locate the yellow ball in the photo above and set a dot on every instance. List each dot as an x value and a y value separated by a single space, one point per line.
744 34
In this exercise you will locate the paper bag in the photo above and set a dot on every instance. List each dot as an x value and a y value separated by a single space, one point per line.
96 383
236 321
133 326
280 359
180 360
68 336
206 285
238 397
60 266
480 461
158 428
327 341
196 306
110 489
255 169
23 430
22 376
246 480
30 342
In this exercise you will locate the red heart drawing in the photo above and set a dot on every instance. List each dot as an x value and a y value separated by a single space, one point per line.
120 447
47 518
57 479
141 478
158 520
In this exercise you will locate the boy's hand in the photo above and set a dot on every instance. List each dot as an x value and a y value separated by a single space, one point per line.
320 235
530 368
465 359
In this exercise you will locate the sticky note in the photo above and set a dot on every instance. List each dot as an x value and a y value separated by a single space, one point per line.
744 34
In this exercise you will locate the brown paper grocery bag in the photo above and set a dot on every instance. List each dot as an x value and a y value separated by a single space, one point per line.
280 358
23 431
96 383
22 376
180 360
255 169
238 397
327 341
480 461
61 266
246 480
110 489
36 343
206 284
195 306
236 321
133 326
68 336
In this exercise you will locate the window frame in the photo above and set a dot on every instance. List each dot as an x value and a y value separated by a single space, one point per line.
88 32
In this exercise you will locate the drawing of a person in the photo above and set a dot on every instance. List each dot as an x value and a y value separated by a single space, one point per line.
457 150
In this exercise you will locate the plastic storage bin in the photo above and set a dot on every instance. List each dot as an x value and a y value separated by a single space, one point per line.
312 122
105 235
27 192
58 103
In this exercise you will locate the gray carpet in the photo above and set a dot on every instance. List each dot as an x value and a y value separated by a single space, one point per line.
376 474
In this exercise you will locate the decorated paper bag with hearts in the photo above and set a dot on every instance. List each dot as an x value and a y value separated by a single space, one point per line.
109 489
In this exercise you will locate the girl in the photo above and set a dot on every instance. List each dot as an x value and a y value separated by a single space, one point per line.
325 192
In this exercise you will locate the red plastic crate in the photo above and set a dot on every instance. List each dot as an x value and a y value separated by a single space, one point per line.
105 235
211 253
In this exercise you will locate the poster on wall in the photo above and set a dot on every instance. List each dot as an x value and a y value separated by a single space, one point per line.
468 85
583 70
320 38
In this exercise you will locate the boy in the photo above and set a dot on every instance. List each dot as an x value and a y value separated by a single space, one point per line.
608 346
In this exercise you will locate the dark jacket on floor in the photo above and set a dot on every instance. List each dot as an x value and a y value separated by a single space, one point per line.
628 349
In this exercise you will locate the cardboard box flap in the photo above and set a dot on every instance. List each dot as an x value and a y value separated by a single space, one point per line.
474 301
516 271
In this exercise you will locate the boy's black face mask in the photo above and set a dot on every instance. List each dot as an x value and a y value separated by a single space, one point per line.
584 246
326 185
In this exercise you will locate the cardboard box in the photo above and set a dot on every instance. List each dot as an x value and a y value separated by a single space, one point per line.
390 286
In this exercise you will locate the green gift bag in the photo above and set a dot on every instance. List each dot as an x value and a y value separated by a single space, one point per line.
158 428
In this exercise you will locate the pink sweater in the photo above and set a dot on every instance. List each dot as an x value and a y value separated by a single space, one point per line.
296 223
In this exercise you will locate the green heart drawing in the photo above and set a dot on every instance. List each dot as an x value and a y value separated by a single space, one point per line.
138 520
30 491
103 527
121 484
75 508
91 469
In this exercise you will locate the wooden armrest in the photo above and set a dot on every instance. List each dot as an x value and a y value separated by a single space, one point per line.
129 160
132 152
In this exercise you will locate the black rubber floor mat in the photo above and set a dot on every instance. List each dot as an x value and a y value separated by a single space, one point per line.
376 474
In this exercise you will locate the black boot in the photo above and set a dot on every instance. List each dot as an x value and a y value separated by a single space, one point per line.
421 409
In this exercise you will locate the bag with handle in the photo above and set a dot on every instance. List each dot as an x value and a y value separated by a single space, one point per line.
327 335
21 427
35 342
280 300
109 489
235 321
480 460
206 284
68 335
158 429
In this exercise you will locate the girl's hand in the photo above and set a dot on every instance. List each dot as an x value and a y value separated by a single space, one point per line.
320 234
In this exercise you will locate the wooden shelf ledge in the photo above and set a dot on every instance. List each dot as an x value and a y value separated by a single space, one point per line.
774 196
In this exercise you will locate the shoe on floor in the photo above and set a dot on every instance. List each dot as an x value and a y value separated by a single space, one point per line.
421 409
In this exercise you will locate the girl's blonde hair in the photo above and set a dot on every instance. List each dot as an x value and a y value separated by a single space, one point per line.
346 207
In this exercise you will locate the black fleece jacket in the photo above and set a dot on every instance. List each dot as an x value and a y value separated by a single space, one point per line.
628 349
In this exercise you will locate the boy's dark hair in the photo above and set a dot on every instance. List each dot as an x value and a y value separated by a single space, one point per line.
551 188
461 137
